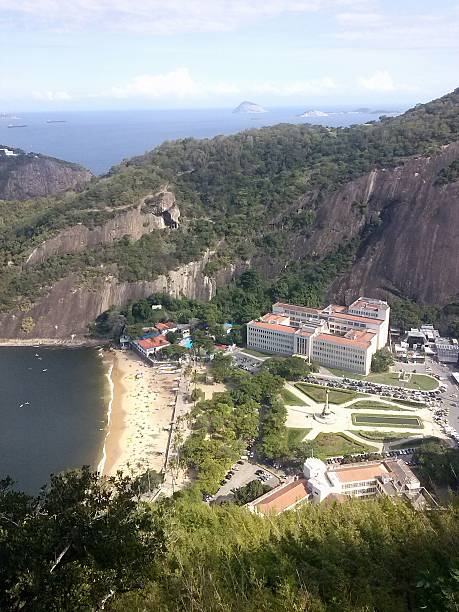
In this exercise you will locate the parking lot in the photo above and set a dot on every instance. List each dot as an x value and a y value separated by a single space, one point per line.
247 362
244 473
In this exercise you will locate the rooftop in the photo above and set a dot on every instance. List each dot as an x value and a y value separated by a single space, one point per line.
351 317
332 339
304 309
276 318
165 326
282 497
286 329
369 304
152 343
352 473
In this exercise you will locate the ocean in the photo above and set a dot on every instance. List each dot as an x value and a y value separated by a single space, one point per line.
53 412
98 140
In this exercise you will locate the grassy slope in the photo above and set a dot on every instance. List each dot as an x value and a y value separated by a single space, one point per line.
223 186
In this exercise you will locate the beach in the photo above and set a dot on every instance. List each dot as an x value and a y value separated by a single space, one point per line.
140 414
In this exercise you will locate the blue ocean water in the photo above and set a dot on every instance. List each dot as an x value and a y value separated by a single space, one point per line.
98 140
53 411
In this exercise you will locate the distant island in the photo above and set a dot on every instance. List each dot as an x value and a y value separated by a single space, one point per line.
314 113
249 107
369 111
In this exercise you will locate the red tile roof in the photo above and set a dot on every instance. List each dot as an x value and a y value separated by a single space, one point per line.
283 497
348 474
164 326
331 339
287 329
152 343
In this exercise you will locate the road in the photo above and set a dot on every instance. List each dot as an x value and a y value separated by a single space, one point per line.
450 398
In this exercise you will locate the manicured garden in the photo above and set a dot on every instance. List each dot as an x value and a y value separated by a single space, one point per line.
373 405
381 436
290 399
335 445
317 393
388 420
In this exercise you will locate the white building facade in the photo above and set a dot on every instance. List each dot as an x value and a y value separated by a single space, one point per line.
332 337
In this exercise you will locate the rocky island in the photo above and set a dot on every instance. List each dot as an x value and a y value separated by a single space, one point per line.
249 107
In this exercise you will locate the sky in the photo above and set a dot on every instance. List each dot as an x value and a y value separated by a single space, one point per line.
128 54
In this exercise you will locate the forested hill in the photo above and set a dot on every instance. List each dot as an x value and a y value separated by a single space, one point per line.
86 544
382 199
28 175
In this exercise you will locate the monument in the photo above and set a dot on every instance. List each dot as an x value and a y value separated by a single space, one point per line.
327 415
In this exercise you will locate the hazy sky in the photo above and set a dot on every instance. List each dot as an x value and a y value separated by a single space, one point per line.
97 54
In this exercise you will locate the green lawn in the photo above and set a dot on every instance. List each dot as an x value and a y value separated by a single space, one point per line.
336 444
295 435
419 442
290 399
317 393
373 405
381 436
388 420
420 382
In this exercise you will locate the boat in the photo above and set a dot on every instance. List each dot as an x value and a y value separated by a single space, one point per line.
56 121
17 125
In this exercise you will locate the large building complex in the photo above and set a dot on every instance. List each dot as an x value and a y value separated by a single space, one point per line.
321 483
336 336
390 477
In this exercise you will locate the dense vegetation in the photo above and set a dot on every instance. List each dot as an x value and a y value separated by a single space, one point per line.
224 187
84 544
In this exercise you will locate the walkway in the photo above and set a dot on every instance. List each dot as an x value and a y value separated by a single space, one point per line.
302 416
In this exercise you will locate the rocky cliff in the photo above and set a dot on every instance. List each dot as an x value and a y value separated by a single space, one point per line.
410 231
155 211
25 176
68 308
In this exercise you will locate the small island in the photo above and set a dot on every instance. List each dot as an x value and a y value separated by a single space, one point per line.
314 113
249 107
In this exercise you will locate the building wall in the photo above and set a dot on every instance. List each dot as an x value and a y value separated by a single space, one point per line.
269 340
334 355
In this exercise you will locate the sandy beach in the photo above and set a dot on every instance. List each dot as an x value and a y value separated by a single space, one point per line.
142 409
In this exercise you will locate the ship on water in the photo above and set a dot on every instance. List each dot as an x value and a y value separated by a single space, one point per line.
56 121
17 125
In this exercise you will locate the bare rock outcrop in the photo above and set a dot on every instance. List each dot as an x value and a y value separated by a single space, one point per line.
156 211
28 176
66 311
413 246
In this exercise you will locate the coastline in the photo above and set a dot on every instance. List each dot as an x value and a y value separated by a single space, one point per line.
63 343
139 414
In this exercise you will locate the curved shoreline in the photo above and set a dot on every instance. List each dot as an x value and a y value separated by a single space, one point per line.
101 465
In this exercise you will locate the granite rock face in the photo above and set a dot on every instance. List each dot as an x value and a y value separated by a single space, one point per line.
28 176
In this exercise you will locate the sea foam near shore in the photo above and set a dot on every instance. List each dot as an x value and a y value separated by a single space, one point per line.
101 465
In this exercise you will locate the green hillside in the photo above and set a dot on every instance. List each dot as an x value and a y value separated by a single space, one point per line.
239 194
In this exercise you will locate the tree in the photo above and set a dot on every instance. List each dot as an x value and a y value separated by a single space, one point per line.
290 368
174 351
382 360
197 395
221 366
86 539
249 492
172 337
453 328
